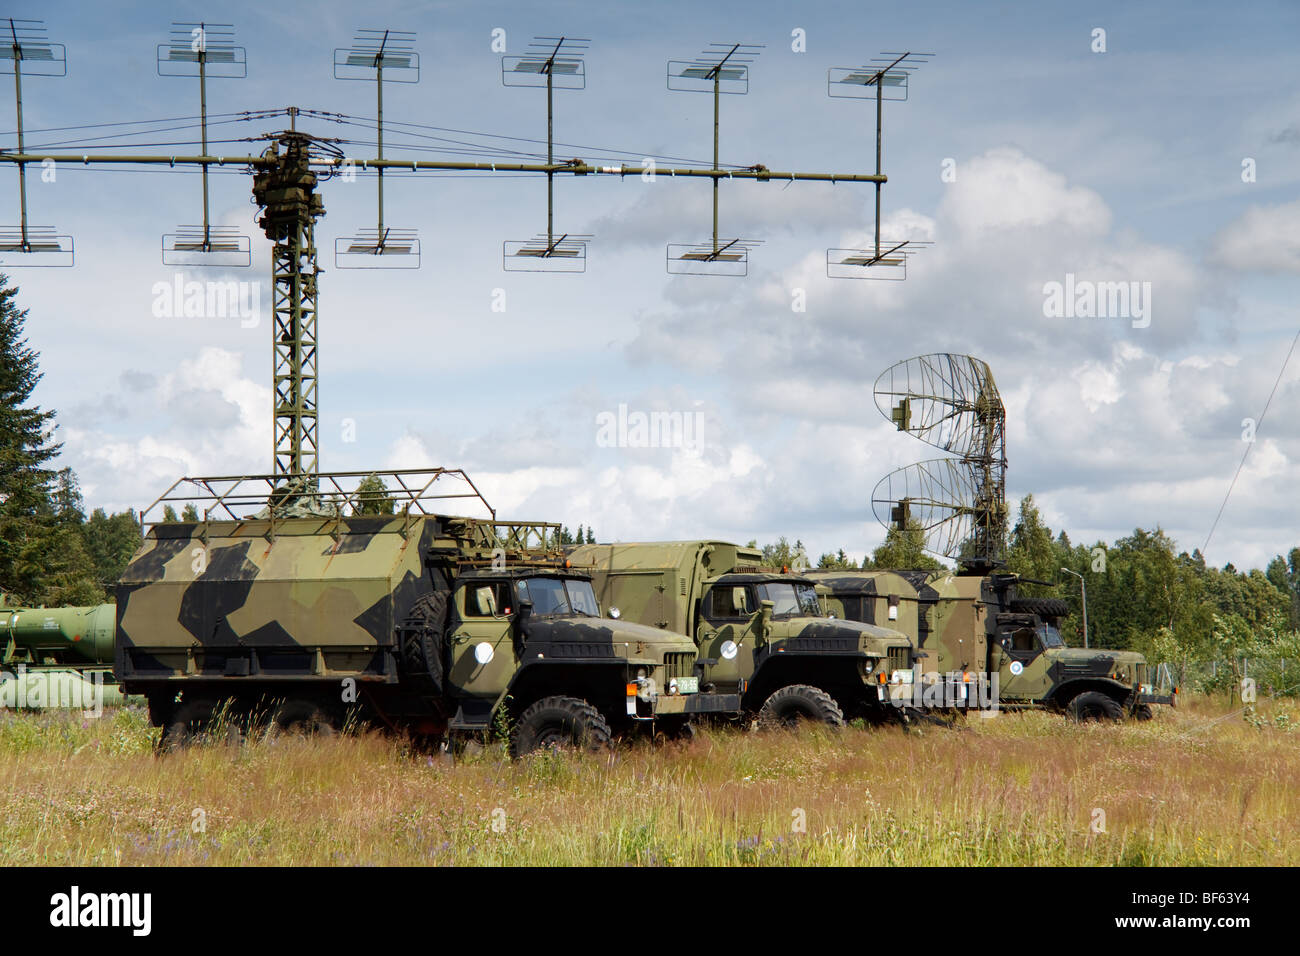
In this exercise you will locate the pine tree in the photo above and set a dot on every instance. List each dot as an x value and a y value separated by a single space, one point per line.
372 497
27 515
110 542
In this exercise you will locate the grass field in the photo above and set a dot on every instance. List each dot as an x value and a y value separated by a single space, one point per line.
1191 787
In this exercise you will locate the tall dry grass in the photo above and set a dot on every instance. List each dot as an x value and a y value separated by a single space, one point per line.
1188 788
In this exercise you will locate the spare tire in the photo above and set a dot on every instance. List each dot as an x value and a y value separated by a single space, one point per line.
1043 607
424 636
796 702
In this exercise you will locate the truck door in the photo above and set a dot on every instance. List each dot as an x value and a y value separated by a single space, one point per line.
725 634
482 647
1021 662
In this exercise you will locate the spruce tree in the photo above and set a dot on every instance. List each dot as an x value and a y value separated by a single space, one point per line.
27 512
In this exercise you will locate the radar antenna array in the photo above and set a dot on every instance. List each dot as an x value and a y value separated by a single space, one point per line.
958 504
286 176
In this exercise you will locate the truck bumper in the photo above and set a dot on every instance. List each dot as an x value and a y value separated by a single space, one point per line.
1168 699
666 706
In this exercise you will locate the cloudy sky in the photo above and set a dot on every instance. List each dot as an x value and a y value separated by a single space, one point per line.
1171 160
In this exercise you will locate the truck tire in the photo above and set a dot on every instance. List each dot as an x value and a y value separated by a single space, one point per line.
187 722
1094 705
796 702
559 722
1043 607
425 637
301 717
1143 712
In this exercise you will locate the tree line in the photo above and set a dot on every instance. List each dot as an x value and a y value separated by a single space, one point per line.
1143 592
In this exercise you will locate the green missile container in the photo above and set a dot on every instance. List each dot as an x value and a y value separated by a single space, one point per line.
62 635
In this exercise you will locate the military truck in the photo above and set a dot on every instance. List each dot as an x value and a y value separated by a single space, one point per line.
761 634
968 628
307 610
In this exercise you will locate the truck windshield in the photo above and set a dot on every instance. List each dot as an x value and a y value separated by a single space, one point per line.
1050 636
789 600
555 596
583 598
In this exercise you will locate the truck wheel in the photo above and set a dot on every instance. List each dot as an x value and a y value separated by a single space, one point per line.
554 722
682 731
1143 712
1094 705
797 702
302 718
185 723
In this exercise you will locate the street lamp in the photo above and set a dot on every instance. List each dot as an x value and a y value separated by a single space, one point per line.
1083 586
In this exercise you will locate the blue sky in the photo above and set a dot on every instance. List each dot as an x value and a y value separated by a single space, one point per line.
1119 166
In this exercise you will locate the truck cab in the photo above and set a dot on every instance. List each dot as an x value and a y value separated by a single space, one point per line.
973 628
761 633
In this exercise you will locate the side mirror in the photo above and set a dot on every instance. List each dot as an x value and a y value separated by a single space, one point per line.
525 611
740 600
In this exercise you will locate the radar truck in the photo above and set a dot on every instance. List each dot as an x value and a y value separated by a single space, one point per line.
968 628
761 634
308 609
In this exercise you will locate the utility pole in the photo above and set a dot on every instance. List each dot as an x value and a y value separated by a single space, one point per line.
1083 585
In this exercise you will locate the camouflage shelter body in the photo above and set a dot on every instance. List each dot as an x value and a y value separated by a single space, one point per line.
974 624
754 632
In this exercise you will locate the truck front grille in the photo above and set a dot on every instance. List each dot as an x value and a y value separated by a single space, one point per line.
899 658
679 664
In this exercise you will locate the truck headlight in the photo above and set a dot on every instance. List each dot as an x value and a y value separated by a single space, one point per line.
646 690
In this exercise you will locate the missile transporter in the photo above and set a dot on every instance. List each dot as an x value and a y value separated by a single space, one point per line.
760 634
970 630
57 657
312 608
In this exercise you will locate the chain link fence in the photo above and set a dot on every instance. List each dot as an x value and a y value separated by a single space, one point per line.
1272 676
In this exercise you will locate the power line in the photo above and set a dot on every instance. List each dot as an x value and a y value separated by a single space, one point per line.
1251 444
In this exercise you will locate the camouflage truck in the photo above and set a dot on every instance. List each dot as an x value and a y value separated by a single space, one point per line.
307 611
761 634
972 627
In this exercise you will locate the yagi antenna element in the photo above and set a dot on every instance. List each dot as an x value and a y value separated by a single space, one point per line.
204 50
27 49
721 68
555 63
886 77
381 55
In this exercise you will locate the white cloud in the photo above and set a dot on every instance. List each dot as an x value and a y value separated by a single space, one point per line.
204 418
1262 239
